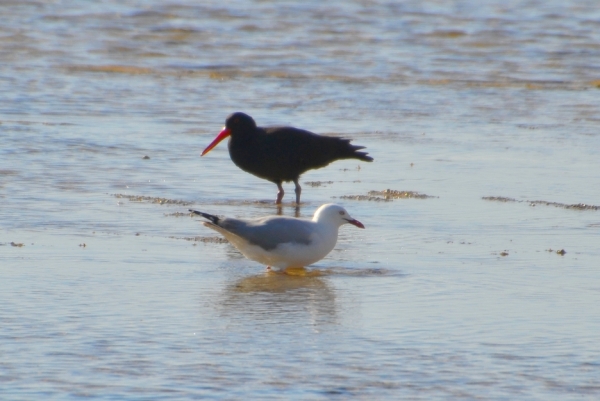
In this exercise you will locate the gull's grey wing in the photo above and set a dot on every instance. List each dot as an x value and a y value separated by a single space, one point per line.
269 232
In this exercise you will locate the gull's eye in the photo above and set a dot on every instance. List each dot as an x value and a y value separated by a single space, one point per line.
342 213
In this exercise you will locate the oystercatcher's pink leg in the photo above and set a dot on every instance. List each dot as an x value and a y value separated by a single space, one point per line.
298 191
280 193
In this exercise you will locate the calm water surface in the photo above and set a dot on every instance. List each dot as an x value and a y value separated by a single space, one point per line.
109 290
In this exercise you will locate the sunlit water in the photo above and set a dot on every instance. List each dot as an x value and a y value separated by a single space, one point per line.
107 292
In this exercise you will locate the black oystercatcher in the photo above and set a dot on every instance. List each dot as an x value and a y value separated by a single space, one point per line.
281 154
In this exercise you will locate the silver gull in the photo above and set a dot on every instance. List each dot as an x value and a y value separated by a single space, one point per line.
284 242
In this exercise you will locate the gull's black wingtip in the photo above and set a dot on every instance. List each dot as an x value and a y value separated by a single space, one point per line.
213 219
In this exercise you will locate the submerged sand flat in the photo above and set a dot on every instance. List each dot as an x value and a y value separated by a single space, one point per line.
476 276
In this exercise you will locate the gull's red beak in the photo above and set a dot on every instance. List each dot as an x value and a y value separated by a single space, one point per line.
222 135
355 223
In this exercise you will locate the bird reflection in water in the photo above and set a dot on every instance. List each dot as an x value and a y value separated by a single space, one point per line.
279 210
279 298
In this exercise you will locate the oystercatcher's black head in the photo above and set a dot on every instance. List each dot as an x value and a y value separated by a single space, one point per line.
235 123
240 122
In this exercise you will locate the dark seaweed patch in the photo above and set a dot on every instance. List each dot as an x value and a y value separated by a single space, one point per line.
152 199
215 239
387 195
575 206
317 183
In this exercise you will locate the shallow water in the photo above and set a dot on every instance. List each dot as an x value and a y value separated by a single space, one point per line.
110 290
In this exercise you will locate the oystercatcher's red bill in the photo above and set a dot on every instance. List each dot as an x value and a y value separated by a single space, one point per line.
222 135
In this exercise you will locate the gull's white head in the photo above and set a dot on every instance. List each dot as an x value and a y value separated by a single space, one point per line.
335 215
